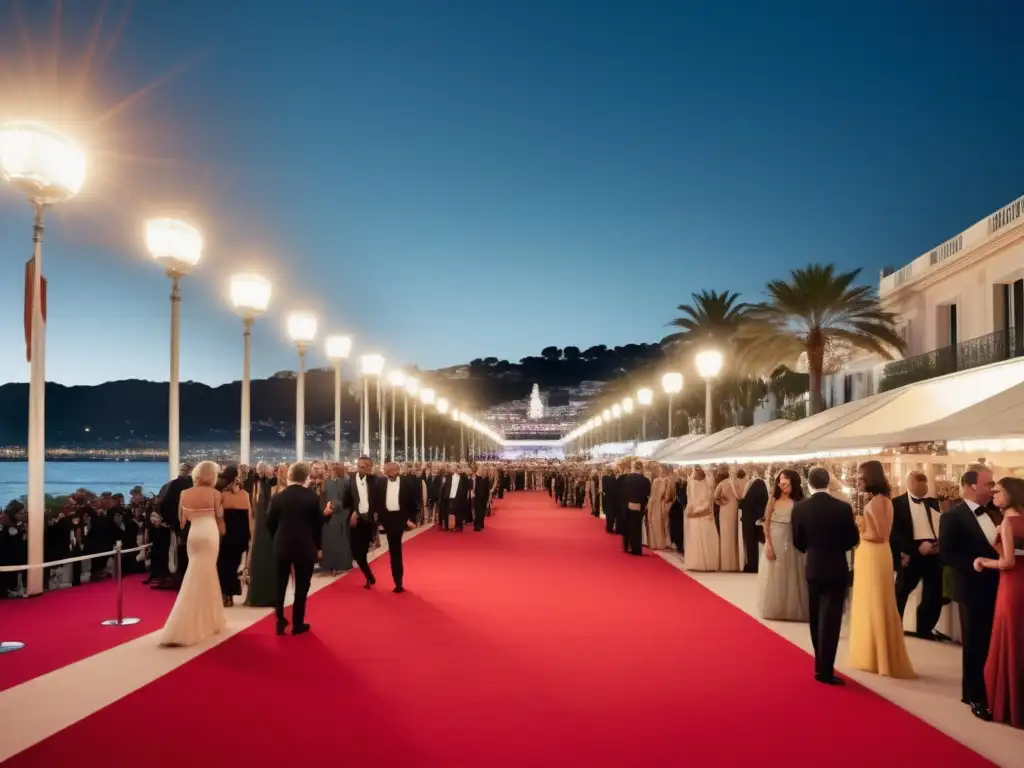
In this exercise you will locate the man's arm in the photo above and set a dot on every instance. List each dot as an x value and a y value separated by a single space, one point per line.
799 528
316 519
950 542
851 534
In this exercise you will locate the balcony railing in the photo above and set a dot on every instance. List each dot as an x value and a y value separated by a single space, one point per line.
993 348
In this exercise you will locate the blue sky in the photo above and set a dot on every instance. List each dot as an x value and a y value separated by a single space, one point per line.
449 180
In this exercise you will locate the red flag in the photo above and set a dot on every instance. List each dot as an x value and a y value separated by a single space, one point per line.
29 274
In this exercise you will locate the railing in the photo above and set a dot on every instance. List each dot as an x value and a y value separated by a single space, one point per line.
973 353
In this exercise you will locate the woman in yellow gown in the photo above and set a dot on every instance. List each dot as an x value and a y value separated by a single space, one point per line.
876 631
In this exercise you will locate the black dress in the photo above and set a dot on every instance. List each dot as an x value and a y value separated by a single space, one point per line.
233 544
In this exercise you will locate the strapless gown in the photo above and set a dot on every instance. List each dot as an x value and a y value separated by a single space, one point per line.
199 610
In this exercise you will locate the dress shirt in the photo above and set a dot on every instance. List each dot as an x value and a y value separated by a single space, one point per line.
921 516
455 485
364 497
987 526
391 500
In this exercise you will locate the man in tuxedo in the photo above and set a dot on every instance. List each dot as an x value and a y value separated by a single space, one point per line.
170 495
480 494
609 484
636 491
915 544
455 497
361 520
824 528
966 532
752 508
295 521
394 504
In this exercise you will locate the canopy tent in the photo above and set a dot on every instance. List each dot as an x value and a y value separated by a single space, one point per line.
954 407
702 444
675 444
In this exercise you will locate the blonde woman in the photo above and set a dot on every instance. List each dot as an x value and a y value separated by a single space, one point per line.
727 496
198 611
657 512
702 548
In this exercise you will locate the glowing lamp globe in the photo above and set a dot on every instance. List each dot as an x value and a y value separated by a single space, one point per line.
709 363
412 385
598 421
606 414
176 245
337 348
43 164
250 294
455 414
672 383
397 378
442 405
627 405
427 395
467 419
616 411
371 365
301 327
645 396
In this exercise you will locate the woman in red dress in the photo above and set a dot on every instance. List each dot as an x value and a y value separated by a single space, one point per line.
1004 669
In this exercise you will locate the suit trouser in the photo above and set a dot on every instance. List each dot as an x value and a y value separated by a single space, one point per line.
362 536
927 569
478 518
395 551
827 599
750 544
635 531
443 510
622 523
609 517
303 576
976 617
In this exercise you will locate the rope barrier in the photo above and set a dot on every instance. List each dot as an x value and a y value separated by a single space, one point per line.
116 551
9 646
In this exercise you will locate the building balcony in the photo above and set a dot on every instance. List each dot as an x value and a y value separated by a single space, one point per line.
973 353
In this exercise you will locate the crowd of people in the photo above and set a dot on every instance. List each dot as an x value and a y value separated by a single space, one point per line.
250 530
808 545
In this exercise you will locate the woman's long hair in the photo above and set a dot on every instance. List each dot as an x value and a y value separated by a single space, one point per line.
796 487
1014 488
873 479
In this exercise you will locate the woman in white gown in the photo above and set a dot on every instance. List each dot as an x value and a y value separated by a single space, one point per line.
782 573
198 611
702 550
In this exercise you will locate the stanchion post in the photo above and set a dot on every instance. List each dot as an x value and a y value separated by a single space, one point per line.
120 621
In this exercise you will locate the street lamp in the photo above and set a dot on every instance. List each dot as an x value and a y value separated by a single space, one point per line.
250 296
396 379
427 396
617 416
442 408
337 348
370 365
302 332
48 168
672 383
645 397
412 387
709 365
457 418
177 246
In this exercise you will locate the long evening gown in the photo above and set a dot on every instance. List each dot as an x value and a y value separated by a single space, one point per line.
262 565
198 611
876 630
1004 669
729 523
702 550
657 516
782 582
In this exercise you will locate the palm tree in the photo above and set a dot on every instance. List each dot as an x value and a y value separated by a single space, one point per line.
713 317
818 312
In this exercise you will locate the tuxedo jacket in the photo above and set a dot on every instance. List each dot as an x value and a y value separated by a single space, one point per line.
824 528
901 539
295 521
461 500
434 485
961 540
408 502
352 504
481 492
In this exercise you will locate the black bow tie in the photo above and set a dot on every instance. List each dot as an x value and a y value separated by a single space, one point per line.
980 511
916 501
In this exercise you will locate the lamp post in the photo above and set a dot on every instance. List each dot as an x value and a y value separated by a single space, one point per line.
617 416
442 408
645 397
412 387
709 365
370 365
396 379
627 408
427 396
48 168
250 296
672 383
302 332
337 348
178 247
457 418
598 424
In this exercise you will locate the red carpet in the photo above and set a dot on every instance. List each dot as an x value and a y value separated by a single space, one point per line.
534 643
62 627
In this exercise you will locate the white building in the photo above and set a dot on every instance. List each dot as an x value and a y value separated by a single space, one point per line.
959 306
